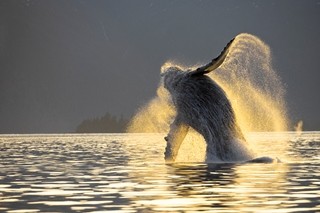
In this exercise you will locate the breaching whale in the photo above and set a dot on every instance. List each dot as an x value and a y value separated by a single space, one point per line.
202 104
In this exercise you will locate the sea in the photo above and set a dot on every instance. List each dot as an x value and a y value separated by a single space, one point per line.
127 173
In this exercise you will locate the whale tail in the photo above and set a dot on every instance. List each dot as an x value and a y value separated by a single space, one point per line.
215 63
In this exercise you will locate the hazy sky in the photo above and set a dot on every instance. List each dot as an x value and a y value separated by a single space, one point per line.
65 61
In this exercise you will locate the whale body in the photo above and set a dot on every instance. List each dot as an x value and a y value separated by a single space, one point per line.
203 105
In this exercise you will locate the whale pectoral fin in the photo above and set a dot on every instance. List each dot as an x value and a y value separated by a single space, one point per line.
215 63
178 132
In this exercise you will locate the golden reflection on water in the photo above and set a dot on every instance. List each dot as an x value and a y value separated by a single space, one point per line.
224 188
127 173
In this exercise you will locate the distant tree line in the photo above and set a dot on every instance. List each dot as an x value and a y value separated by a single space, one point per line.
104 124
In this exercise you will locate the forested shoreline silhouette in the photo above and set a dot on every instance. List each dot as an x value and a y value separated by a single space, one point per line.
105 124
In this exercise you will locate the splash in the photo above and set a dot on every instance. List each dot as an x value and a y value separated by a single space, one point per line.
155 116
298 128
253 87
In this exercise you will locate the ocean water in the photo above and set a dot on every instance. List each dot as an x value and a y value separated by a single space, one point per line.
127 173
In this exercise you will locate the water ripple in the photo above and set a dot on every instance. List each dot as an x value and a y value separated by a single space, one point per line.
127 173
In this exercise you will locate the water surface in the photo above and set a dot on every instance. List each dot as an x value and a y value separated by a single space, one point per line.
127 173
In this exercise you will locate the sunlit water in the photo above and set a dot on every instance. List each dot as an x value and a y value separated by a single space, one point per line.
127 173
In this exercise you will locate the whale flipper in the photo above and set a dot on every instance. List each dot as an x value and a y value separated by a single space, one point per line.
178 132
215 63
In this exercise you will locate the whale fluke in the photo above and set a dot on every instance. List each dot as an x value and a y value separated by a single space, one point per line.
215 63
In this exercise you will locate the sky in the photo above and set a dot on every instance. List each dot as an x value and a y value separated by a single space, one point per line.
65 61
